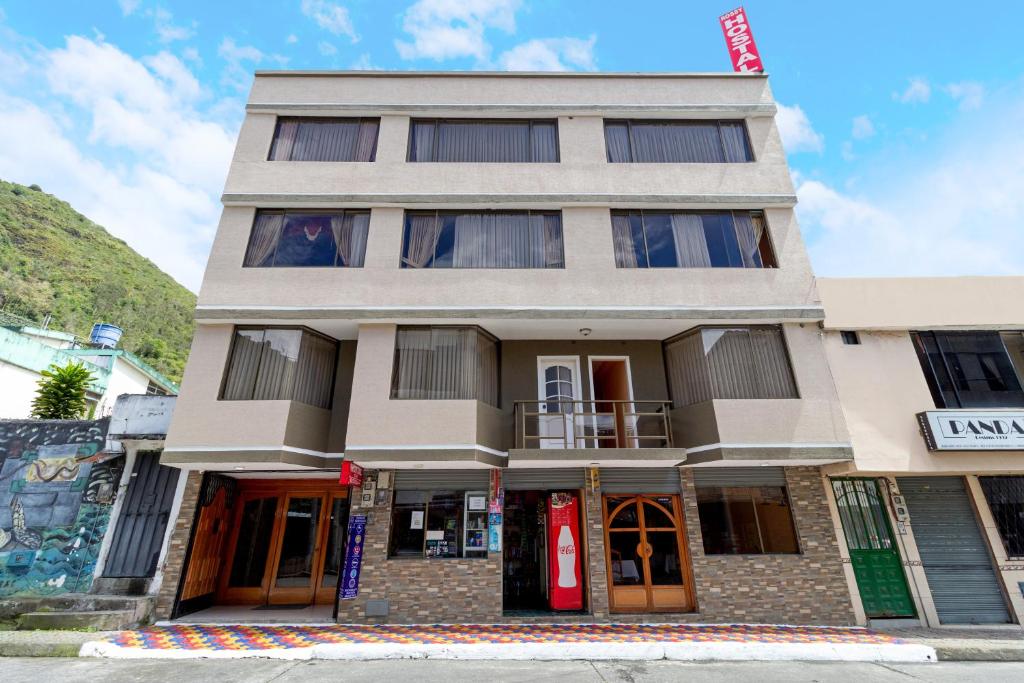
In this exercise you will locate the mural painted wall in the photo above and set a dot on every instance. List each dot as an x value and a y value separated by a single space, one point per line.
57 489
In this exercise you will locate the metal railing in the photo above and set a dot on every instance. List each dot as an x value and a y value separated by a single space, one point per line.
593 424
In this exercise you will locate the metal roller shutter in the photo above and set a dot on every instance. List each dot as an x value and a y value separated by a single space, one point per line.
953 552
739 476
640 480
543 479
442 480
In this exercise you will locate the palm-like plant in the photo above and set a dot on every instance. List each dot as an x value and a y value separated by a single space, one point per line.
61 393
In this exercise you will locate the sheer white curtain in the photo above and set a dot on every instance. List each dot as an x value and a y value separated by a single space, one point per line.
266 230
748 235
284 140
421 239
445 363
688 376
622 238
350 230
278 364
616 140
246 350
691 244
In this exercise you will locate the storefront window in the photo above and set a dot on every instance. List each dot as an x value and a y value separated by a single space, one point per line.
746 520
432 524
1005 496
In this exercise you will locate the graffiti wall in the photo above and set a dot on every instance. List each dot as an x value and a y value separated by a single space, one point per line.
57 488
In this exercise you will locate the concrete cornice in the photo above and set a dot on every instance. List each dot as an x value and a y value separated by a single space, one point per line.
729 110
735 201
631 75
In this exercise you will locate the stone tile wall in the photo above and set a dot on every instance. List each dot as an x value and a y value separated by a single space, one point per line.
175 561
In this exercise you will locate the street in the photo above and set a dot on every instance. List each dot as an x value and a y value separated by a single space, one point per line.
253 670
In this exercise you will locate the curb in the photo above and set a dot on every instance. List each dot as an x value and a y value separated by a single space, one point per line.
39 649
960 653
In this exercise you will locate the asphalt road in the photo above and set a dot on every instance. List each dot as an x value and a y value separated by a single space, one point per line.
424 671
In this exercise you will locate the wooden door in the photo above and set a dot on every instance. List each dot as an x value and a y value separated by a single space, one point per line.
205 559
648 566
294 578
245 578
335 529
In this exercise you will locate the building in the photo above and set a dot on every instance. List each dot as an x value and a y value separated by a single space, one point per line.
565 323
931 509
26 351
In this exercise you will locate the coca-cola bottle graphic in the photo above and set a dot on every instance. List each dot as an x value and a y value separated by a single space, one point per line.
566 558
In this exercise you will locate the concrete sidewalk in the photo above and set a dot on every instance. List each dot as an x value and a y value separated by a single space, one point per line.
968 644
594 642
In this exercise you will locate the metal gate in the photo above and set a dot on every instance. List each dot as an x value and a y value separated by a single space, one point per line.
141 524
953 551
876 561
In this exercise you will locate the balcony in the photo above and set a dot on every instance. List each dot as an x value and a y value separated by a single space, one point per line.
634 432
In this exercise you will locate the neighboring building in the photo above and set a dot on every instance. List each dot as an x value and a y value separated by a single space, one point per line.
26 350
930 373
577 305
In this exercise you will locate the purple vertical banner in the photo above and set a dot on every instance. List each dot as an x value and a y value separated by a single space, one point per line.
353 557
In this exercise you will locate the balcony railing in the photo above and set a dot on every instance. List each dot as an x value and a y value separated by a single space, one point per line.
593 424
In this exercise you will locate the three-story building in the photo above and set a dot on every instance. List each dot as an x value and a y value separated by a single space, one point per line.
565 323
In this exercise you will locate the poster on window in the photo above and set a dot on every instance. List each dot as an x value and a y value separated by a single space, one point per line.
353 557
494 527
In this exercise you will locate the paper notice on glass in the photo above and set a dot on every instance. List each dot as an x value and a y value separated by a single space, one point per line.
416 520
435 535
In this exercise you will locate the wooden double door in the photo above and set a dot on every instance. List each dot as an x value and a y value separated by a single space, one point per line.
285 545
648 563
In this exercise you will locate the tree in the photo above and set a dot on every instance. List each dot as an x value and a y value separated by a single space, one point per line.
61 393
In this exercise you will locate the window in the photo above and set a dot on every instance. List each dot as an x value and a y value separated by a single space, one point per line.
729 363
705 239
489 239
445 363
479 140
973 369
432 524
1005 496
850 337
154 389
280 363
746 520
677 142
312 139
328 239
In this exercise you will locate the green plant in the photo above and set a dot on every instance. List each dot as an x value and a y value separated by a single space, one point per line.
61 393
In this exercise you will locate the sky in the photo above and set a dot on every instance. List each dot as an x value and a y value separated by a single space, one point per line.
903 122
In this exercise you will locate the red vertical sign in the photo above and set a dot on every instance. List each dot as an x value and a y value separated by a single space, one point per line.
351 474
566 584
740 41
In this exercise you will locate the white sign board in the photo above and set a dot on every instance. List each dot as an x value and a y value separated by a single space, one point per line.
973 430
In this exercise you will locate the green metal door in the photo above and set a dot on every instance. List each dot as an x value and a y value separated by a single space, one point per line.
876 561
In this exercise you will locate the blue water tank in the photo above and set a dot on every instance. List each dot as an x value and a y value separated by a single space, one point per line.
105 335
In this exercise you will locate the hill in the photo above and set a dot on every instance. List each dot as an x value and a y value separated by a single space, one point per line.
54 260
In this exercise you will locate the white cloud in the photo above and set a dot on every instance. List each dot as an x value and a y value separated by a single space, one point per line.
150 166
917 92
128 6
364 63
331 17
862 127
191 54
291 39
166 30
326 49
968 93
240 61
451 29
796 131
551 54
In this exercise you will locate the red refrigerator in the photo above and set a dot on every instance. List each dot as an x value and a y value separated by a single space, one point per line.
565 586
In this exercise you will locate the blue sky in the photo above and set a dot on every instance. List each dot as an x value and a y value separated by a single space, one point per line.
904 123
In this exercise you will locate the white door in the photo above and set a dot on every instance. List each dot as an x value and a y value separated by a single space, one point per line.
559 394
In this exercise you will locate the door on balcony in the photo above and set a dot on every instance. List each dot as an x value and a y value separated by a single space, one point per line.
648 566
559 394
611 387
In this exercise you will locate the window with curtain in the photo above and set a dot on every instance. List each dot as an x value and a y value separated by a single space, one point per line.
445 363
482 140
676 142
746 520
324 139
328 239
729 363
691 239
280 363
1005 496
978 369
483 239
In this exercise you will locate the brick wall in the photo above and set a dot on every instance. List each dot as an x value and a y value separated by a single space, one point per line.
178 546
809 588
597 566
420 590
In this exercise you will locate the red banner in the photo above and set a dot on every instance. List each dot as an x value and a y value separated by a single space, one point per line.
566 589
351 474
740 41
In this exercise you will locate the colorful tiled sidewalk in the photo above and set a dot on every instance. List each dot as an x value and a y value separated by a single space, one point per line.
512 641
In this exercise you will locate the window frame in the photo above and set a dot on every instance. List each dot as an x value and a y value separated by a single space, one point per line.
429 494
300 328
308 212
718 124
433 145
760 531
323 119
480 330
983 481
932 378
767 237
707 369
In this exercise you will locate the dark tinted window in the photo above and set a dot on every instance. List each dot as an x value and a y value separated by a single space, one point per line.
520 141
1005 496
970 369
746 520
640 141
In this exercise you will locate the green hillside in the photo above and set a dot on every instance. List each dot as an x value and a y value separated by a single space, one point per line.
54 260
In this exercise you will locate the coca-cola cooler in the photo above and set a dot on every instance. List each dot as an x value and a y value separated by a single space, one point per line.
565 589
